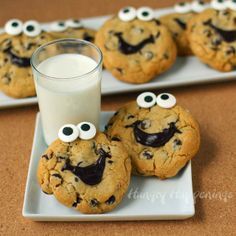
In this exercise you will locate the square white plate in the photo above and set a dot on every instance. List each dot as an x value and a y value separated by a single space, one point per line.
186 71
147 198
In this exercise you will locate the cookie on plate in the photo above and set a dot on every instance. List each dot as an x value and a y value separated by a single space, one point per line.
72 28
177 23
159 135
212 35
17 44
136 47
84 170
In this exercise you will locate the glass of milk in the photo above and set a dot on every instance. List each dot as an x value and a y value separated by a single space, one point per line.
67 75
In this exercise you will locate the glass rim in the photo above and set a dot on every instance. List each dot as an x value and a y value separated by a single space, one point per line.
36 52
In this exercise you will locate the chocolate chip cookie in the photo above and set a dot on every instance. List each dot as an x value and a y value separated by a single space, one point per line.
84 170
17 45
136 47
212 35
177 24
72 28
159 135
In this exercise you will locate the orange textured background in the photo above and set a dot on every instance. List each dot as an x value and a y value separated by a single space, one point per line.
214 167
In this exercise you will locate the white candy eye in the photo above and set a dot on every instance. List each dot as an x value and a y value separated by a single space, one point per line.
145 13
58 26
68 133
74 23
86 130
218 5
13 27
165 100
31 28
146 100
231 4
127 14
183 7
198 6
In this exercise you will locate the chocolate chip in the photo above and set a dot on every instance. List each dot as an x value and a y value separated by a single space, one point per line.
166 56
87 37
208 33
57 175
110 161
45 156
157 22
94 202
146 154
130 117
120 70
115 139
76 179
216 42
111 200
45 192
6 59
177 142
78 200
230 50
145 124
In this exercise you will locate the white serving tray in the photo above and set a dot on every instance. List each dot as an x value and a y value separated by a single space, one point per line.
186 71
154 199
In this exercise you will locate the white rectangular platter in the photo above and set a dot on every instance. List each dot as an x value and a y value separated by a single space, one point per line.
147 198
186 71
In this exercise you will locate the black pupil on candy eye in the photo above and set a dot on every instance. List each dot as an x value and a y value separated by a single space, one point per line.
61 23
145 13
85 127
182 3
201 2
76 21
30 28
14 24
126 10
67 131
148 99
220 1
164 96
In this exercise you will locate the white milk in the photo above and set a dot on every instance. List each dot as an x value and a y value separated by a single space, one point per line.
66 99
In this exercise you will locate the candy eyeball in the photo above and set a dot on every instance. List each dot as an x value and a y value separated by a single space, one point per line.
165 100
32 28
183 7
58 26
146 100
68 133
87 130
198 6
218 5
145 13
74 23
127 14
231 4
13 27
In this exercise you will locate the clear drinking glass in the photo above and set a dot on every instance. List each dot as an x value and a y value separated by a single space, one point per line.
67 75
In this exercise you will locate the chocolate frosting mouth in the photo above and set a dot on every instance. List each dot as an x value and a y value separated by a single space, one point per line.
127 48
180 23
91 174
19 61
228 36
154 139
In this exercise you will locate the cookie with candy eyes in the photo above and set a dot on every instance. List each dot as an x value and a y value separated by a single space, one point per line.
177 23
136 47
17 45
158 134
72 28
212 35
84 170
